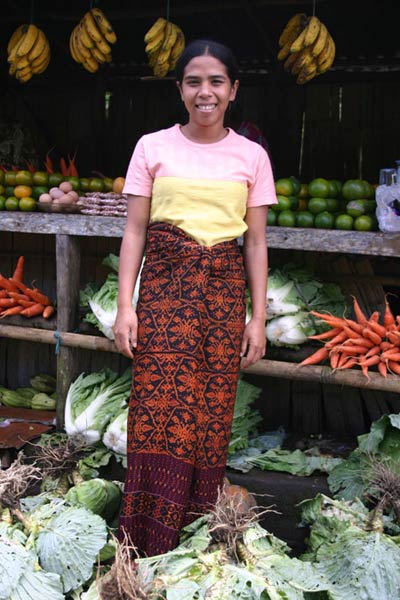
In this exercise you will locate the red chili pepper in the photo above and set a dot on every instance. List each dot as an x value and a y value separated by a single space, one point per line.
31 167
48 163
14 168
72 167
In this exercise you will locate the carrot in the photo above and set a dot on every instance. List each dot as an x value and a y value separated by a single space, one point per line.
319 356
350 333
334 358
63 167
370 362
391 355
18 274
394 367
374 317
378 328
360 342
34 294
387 346
338 339
326 335
394 337
360 317
48 163
351 349
33 311
330 319
48 312
355 326
382 368
349 363
15 310
7 302
72 166
373 351
6 284
4 294
17 296
371 335
388 317
31 167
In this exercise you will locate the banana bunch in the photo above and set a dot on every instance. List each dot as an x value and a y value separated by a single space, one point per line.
307 47
165 42
90 40
28 52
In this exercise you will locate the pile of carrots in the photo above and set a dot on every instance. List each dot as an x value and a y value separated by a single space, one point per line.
364 342
16 298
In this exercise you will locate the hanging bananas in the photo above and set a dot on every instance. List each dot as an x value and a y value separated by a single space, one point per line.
165 43
89 42
307 47
28 52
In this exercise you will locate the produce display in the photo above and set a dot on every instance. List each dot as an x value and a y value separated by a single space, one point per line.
16 298
165 42
41 395
364 342
28 52
306 47
324 204
90 40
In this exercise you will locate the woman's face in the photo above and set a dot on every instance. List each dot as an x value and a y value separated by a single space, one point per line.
206 90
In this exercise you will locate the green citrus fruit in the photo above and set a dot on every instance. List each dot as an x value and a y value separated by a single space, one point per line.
55 179
96 184
332 204
284 187
296 185
283 203
40 178
2 202
9 178
303 193
23 178
1 177
368 189
84 184
11 203
304 219
333 188
294 202
364 223
316 205
38 190
74 181
339 186
344 221
2 189
319 188
287 218
324 220
9 191
271 217
27 204
355 208
370 205
108 184
353 189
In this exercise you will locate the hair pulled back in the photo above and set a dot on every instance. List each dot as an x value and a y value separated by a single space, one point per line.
208 48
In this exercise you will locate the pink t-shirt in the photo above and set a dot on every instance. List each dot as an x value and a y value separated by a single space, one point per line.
205 189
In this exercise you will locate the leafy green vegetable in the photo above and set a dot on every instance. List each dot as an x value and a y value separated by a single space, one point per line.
115 436
100 496
290 330
245 417
295 462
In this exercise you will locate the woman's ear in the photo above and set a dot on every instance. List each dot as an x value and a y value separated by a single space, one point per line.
234 90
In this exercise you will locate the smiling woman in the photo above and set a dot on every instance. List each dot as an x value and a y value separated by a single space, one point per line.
193 188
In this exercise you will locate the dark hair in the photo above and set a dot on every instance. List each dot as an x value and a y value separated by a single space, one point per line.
210 48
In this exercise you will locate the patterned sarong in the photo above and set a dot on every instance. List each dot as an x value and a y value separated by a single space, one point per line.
191 314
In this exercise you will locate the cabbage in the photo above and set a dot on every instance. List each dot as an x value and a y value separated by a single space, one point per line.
282 296
100 496
93 400
115 437
290 330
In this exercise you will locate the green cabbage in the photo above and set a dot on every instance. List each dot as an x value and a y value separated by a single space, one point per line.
100 496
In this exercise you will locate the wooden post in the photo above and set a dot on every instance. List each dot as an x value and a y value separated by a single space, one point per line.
68 269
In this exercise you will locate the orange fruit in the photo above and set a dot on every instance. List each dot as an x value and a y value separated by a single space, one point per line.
22 191
118 185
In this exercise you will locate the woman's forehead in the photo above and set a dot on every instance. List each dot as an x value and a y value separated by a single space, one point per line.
205 63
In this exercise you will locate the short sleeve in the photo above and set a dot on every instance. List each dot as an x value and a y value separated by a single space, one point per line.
138 180
262 190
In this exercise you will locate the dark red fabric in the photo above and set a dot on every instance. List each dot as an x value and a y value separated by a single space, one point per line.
191 314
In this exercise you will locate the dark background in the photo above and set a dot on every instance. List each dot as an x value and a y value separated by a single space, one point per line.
343 124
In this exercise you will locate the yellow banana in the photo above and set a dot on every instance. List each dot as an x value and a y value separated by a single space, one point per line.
160 70
163 57
320 43
38 47
307 73
24 75
98 55
91 27
284 51
170 35
155 29
20 63
75 55
81 50
304 58
298 43
104 25
152 58
15 38
13 68
324 65
103 46
41 59
40 67
85 37
177 49
91 65
27 41
289 62
312 31
155 43
292 29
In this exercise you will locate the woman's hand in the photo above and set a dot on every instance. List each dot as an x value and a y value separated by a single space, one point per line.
125 331
253 343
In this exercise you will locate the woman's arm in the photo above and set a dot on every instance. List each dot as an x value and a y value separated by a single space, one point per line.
130 258
256 265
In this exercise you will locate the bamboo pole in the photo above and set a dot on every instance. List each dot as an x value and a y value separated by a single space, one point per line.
71 340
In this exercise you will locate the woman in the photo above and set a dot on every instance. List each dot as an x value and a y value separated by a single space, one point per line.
193 190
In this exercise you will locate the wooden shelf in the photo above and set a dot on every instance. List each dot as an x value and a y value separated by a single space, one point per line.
290 238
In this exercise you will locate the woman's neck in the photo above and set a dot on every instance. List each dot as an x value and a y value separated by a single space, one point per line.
204 135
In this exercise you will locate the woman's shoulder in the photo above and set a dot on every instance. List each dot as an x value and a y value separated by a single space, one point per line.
159 136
